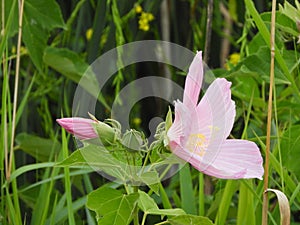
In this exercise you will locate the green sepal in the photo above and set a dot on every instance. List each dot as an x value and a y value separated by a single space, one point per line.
168 120
106 133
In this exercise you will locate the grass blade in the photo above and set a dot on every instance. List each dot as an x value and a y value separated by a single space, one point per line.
188 203
246 215
67 180
227 195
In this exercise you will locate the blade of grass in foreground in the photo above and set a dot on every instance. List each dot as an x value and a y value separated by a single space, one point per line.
246 215
188 203
67 179
227 195
164 197
246 211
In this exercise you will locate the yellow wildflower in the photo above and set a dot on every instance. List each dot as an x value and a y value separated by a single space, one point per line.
138 8
233 60
149 16
23 50
144 26
144 20
89 33
137 121
13 49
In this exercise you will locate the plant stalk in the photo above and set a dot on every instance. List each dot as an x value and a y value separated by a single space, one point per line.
210 5
16 87
136 210
269 119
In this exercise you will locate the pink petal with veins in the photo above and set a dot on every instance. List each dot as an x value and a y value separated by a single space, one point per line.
80 127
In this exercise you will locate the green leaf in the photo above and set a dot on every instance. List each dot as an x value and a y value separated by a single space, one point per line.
40 17
30 167
148 206
189 219
262 58
246 87
290 143
44 12
71 65
66 62
283 22
74 159
166 212
289 10
151 179
35 40
39 148
266 36
100 159
145 202
112 206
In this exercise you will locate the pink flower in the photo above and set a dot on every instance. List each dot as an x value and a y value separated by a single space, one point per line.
198 134
80 127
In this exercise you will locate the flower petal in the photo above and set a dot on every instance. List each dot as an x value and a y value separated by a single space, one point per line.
80 127
175 132
216 111
236 159
193 81
184 123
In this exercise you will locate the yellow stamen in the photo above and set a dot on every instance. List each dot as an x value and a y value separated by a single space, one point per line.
197 144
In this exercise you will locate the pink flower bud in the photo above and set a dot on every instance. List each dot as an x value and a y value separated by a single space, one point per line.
80 127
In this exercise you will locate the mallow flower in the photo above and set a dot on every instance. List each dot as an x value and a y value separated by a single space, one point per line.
199 132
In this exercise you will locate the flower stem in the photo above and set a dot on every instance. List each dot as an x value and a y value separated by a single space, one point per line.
136 210
201 194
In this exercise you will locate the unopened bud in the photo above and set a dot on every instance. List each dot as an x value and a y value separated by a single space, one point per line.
82 128
132 140
106 133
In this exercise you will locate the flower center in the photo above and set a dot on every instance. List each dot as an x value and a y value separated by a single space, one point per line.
197 144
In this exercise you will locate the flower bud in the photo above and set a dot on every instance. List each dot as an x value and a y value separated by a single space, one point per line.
132 140
106 133
81 128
